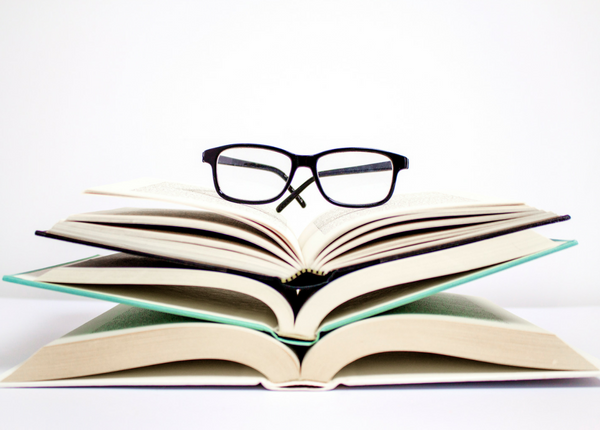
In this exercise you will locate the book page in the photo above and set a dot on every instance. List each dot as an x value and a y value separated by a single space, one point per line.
458 305
180 373
439 304
337 222
418 368
182 247
123 317
444 324
415 363
474 255
156 284
338 217
395 245
134 338
220 304
260 217
189 373
377 235
202 223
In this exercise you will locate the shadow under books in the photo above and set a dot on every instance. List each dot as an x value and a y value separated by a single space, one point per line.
575 383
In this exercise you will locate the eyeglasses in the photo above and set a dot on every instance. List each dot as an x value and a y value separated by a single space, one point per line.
348 177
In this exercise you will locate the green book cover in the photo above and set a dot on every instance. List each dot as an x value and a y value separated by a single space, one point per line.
433 286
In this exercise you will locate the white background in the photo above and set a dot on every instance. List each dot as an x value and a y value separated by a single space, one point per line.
494 97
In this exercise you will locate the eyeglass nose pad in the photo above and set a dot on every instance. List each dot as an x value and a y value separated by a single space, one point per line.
294 194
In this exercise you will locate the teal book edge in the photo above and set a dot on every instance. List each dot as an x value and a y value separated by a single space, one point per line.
477 274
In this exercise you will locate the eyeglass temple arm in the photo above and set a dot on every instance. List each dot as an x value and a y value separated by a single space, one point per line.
294 195
366 168
242 163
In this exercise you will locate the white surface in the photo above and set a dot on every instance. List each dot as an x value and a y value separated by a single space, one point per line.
499 98
26 325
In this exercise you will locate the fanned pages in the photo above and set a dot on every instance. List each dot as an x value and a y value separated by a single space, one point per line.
216 296
251 239
443 338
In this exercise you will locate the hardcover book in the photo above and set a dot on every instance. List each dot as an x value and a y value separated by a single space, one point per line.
442 338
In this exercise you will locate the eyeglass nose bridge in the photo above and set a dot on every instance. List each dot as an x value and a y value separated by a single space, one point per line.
305 161
308 161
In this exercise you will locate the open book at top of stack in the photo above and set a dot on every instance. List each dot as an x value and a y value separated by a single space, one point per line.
242 265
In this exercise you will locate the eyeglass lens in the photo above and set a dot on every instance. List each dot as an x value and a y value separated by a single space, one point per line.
355 177
252 174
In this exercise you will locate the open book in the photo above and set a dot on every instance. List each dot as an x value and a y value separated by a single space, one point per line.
255 240
160 285
442 338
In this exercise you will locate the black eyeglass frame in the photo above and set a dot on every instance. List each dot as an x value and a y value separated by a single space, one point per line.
211 156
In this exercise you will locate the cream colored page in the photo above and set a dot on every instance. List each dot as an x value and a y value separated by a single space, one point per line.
394 226
414 242
192 219
142 338
182 373
335 223
208 292
447 324
442 216
259 217
364 303
212 252
429 265
119 234
394 247
66 227
211 303
476 309
421 368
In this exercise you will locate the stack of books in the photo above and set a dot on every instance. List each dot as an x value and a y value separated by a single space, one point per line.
218 293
